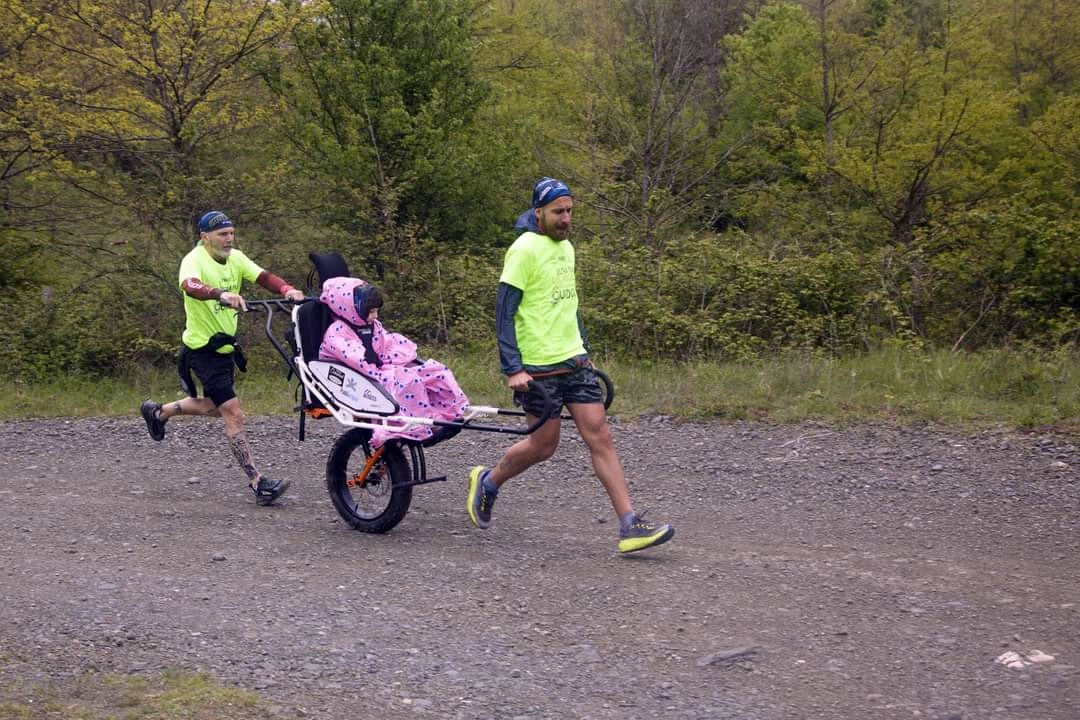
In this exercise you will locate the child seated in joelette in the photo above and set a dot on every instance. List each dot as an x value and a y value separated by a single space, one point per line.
422 388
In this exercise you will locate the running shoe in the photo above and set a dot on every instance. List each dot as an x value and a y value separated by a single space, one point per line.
154 425
480 501
267 490
641 534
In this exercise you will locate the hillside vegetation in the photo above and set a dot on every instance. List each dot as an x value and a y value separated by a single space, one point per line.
755 180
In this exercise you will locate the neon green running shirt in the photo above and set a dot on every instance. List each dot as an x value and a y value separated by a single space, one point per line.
546 321
209 317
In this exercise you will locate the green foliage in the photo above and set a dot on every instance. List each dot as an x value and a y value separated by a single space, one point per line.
132 102
751 177
384 98
893 134
17 260
653 141
138 119
717 297
439 296
90 329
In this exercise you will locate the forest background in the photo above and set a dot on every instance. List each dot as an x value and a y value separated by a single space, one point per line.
754 179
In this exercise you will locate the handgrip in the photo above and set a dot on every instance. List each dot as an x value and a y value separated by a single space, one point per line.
271 305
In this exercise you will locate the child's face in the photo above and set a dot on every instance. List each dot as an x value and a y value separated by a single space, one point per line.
373 314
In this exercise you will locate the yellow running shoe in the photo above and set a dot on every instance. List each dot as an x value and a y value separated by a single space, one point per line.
641 534
480 501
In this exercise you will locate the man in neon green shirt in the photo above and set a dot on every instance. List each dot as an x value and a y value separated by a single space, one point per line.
210 278
541 341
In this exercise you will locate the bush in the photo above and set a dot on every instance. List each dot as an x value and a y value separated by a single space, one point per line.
713 298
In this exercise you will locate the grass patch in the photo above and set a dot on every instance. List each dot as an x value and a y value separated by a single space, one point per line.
972 390
169 696
993 388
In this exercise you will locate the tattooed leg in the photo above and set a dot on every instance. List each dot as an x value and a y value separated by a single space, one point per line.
187 406
242 452
508 468
523 454
168 410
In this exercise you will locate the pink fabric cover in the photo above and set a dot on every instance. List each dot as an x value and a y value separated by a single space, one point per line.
427 389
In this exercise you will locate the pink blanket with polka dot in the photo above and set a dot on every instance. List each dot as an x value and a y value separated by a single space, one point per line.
421 388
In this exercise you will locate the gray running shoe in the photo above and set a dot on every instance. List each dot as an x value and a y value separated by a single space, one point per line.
267 490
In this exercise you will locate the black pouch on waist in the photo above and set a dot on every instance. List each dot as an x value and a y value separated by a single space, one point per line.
183 369
220 340
239 358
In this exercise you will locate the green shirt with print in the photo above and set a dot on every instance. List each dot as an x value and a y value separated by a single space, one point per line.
546 321
206 318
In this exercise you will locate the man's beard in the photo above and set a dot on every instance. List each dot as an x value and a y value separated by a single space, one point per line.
558 233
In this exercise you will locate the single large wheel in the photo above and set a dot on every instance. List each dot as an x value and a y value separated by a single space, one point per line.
376 501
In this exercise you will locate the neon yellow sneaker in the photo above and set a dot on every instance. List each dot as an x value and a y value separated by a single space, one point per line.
641 534
480 501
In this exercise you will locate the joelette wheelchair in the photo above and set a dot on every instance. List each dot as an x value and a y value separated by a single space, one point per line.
370 487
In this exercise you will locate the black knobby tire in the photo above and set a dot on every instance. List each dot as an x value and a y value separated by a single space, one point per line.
383 500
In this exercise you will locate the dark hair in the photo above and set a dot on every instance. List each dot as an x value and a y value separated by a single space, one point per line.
366 298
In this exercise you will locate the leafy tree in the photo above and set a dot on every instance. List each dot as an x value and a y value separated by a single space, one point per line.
652 79
1041 43
144 97
384 97
895 125
530 52
21 152
136 116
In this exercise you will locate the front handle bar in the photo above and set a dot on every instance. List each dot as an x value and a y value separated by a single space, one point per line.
550 411
603 377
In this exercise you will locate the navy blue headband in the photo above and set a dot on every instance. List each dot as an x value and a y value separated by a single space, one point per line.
214 220
548 189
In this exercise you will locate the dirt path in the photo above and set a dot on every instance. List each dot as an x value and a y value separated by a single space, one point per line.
817 572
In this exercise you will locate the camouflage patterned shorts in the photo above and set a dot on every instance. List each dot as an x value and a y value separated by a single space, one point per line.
578 386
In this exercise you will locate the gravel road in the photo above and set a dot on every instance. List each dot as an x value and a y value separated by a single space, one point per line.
817 572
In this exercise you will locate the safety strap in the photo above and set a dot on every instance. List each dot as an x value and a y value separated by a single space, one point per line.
365 333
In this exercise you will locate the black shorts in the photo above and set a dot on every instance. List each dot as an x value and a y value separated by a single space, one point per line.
578 386
215 372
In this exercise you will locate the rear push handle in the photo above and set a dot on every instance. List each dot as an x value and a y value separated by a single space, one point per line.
268 307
